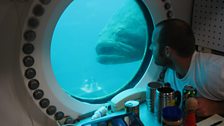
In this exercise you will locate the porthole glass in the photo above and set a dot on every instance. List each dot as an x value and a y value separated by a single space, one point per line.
99 47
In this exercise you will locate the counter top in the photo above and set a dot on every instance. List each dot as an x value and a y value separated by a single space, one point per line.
150 119
147 118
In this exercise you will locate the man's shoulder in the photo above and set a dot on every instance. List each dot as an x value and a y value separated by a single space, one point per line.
211 64
208 57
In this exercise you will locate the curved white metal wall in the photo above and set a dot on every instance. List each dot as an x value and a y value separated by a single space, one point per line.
16 106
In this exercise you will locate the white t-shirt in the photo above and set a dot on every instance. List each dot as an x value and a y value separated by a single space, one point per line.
206 74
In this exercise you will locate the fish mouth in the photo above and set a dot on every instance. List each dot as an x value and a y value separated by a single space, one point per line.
115 53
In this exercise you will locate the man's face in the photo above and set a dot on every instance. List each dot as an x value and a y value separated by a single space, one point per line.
157 51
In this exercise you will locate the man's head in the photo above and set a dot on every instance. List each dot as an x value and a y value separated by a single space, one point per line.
172 36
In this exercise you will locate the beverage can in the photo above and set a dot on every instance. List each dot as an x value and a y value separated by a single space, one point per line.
188 91
132 106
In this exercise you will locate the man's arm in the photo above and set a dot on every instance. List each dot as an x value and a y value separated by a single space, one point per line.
208 107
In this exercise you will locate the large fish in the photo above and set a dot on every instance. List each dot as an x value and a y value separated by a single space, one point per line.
124 38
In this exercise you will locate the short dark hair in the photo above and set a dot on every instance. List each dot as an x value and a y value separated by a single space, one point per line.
178 35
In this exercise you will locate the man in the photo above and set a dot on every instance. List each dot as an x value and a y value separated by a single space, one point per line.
173 46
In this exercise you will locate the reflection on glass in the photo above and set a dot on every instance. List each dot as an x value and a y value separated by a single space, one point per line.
98 46
90 86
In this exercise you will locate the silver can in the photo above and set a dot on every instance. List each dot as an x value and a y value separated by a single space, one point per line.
132 106
151 95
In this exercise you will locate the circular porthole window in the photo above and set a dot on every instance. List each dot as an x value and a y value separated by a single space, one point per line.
100 48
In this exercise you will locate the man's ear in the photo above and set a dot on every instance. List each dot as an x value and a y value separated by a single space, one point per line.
167 51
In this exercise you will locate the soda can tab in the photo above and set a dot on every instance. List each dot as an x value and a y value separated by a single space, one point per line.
189 91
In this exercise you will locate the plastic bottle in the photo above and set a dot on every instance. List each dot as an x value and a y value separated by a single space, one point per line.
102 111
190 116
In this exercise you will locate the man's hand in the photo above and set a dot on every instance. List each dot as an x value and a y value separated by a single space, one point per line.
208 107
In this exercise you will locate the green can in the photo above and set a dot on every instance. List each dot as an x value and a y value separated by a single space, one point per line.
188 91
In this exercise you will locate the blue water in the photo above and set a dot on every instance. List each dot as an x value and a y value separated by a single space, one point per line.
73 54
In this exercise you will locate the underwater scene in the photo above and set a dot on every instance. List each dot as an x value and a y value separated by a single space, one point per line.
98 46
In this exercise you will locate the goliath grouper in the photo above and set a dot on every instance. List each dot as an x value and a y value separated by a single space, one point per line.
124 37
